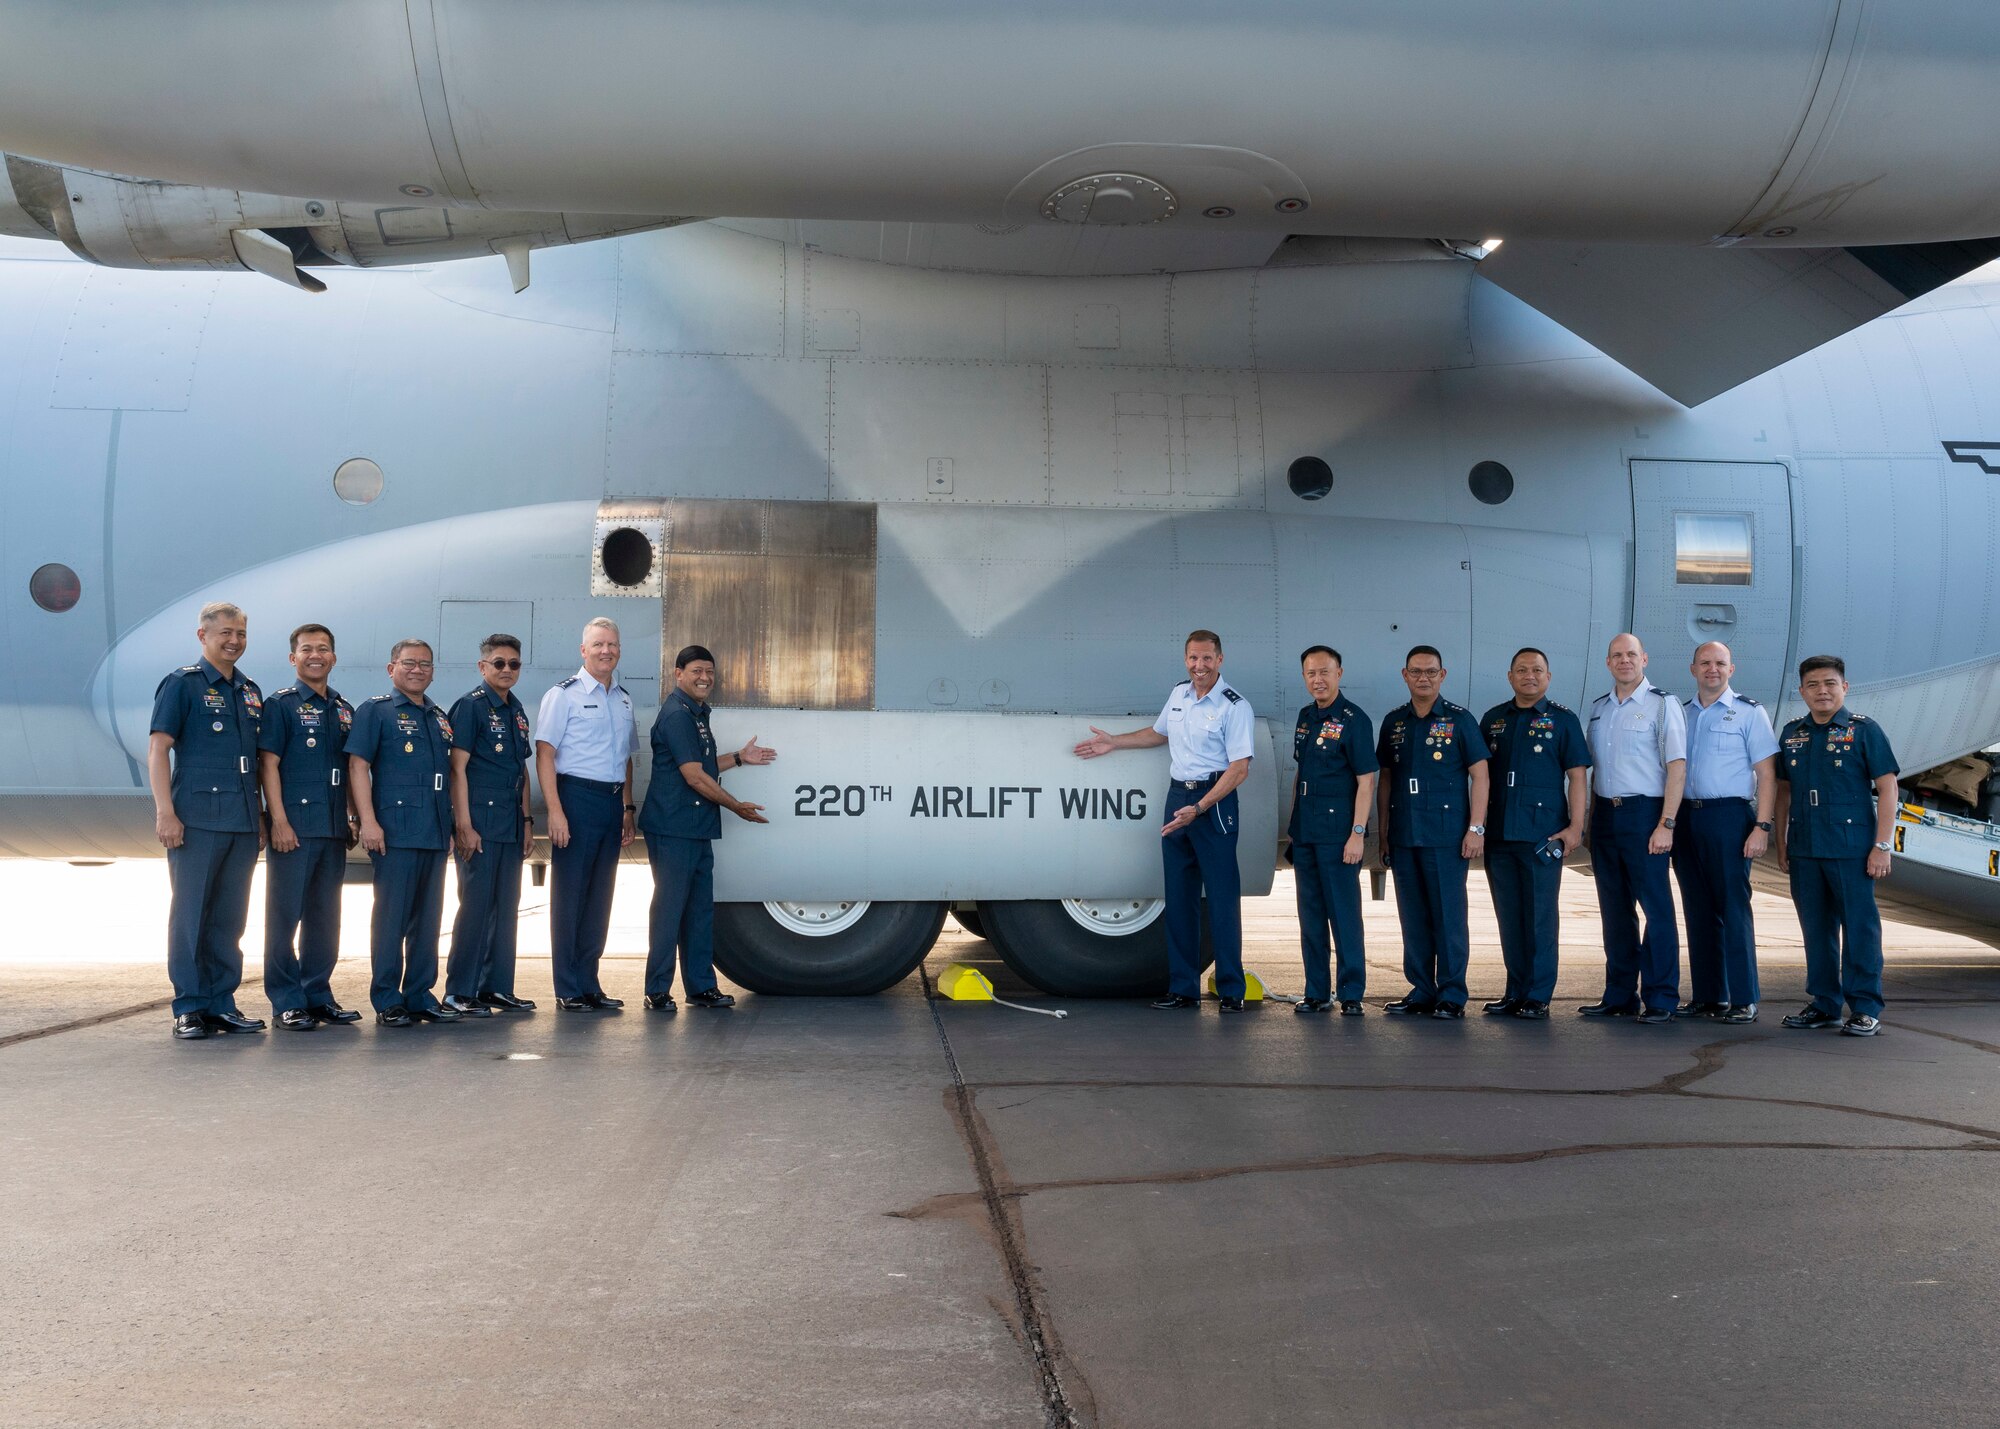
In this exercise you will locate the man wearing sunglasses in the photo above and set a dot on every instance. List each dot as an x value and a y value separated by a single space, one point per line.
490 749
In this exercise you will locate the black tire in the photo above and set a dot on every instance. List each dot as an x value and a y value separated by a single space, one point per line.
1046 947
754 950
970 921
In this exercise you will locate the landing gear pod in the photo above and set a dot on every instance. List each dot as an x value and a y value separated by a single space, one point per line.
823 949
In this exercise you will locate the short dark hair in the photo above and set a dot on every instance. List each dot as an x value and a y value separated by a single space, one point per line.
1209 636
1430 650
311 630
1527 650
1312 650
1822 662
691 653
497 641
401 645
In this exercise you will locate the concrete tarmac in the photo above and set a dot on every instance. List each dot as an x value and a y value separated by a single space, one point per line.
899 1211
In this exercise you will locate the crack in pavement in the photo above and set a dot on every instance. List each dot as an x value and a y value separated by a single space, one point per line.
77 1024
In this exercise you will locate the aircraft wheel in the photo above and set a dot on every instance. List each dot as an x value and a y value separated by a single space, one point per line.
970 921
1085 947
850 949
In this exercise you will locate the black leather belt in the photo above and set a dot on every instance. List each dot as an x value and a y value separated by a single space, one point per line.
1623 799
1201 783
607 786
1704 803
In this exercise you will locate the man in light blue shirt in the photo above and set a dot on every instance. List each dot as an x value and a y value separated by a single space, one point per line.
1638 752
1210 735
1732 790
584 736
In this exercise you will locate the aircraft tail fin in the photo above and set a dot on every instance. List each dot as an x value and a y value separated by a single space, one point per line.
1696 322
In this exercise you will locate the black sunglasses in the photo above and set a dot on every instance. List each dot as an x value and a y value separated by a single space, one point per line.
499 664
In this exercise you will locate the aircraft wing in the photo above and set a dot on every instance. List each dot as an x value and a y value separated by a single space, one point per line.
1695 322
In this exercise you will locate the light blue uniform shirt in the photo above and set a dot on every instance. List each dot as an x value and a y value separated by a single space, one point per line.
1724 743
590 726
1632 741
1205 736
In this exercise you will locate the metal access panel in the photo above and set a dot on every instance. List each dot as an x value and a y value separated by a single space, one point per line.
783 593
1713 561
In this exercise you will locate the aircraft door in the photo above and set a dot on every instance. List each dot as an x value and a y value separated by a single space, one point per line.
1713 561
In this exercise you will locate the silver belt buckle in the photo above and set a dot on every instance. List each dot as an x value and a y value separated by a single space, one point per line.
336 778
242 764
1812 797
1413 786
437 782
1190 783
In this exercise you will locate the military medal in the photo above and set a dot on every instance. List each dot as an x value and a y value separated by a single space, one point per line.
1437 754
310 741
499 749
218 726
1538 749
409 749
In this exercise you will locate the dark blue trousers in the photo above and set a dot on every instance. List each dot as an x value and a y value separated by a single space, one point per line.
581 877
1329 893
403 934
683 914
302 922
1637 968
483 934
1843 933
1524 887
1198 858
1430 904
210 876
1715 899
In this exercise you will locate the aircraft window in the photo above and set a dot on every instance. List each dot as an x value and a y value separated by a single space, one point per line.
628 556
357 481
1711 548
1491 482
55 587
1310 478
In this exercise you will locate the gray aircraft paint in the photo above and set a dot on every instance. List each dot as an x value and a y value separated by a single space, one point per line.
1114 451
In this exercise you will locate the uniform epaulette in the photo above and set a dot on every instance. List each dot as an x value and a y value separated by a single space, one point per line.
288 690
1859 719
1602 698
473 693
1740 699
1558 705
565 684
1231 696
190 669
376 699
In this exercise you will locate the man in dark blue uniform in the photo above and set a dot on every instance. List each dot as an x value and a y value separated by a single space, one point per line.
1333 743
1540 784
1638 755
1210 736
681 820
1836 811
1725 823
490 749
399 765
201 760
303 763
1432 812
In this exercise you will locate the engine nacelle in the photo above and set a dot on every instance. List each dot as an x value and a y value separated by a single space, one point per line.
120 222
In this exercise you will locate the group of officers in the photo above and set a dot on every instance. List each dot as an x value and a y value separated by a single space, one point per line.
416 784
1700 785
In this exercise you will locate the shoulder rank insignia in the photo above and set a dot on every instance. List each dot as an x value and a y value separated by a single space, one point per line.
1231 696
567 683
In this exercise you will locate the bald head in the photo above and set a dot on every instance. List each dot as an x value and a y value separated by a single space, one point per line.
1712 667
1626 660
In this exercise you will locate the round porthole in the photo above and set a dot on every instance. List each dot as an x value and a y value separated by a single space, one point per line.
1310 478
55 587
628 556
1491 482
357 481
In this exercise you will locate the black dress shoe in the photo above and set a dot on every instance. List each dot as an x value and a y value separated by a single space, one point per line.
333 1012
393 1017
1655 1015
232 1021
1351 1007
507 1002
1446 1011
606 1004
660 1002
1230 1004
434 1014
298 1020
576 1004
1738 1012
1811 1019
1501 1008
1410 1006
1174 1002
1700 1009
468 1006
1311 1004
713 997
1605 1009
189 1027
1532 1010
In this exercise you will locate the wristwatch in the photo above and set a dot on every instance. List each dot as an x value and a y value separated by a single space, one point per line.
1886 848
1764 824
1667 824
1359 829
1479 829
